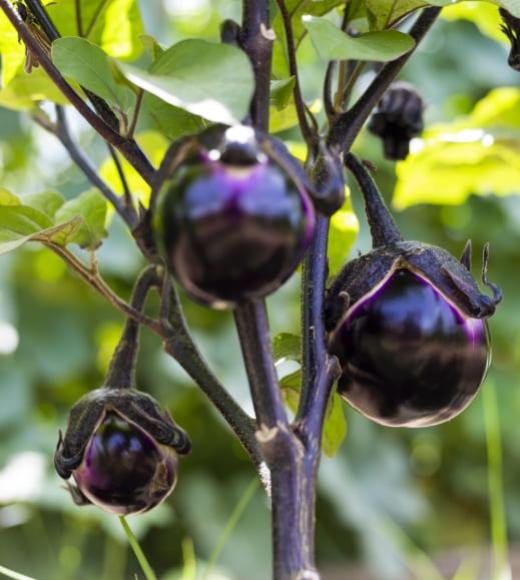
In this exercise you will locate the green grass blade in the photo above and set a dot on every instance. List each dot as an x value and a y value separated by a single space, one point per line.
139 554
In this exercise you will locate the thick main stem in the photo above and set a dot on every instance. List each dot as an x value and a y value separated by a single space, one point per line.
283 452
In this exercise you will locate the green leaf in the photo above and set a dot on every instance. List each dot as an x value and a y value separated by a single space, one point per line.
213 81
28 219
91 207
281 93
287 346
331 43
114 25
335 425
170 121
344 228
296 8
48 202
87 64
478 154
384 13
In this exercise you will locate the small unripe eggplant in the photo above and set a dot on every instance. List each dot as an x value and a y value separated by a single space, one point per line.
121 450
408 324
233 221
397 118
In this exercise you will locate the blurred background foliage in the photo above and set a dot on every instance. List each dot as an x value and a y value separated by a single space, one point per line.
397 503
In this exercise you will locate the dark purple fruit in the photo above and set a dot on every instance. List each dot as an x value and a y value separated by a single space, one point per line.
121 450
408 325
397 118
124 470
232 223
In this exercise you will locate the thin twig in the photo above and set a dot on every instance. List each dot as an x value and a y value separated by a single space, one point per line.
135 113
122 177
179 343
94 20
95 281
79 24
309 135
128 147
61 130
122 369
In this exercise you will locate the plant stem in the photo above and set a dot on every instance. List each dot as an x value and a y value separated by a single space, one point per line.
255 341
128 147
128 204
139 554
308 134
179 343
61 130
283 452
121 373
79 24
256 39
383 228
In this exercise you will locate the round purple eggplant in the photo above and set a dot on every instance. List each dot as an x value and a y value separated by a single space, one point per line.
231 223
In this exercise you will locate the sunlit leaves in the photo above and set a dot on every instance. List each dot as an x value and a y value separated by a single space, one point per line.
47 217
114 25
214 81
331 43
24 219
485 16
478 154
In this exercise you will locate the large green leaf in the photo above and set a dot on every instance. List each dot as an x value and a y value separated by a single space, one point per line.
87 64
331 43
213 81
478 154
170 121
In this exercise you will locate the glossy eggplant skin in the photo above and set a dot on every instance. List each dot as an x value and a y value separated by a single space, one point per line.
124 471
409 356
231 226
